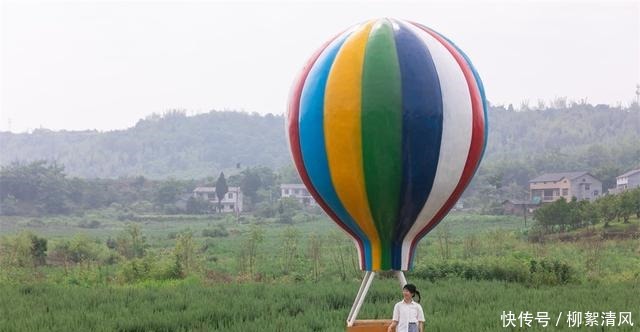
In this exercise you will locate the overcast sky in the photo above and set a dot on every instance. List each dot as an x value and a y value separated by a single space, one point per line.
103 65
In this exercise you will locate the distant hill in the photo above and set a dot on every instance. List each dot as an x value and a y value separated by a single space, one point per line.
171 145
521 144
599 139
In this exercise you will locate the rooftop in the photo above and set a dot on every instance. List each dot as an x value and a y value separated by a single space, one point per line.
292 186
212 189
550 177
629 173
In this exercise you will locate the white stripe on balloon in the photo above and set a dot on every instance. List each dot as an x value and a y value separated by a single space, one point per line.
456 135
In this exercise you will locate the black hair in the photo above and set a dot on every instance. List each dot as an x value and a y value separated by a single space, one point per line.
413 290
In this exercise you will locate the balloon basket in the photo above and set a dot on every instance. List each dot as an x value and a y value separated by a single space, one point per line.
369 325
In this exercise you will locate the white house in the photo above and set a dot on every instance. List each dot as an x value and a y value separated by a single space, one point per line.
232 201
628 180
299 192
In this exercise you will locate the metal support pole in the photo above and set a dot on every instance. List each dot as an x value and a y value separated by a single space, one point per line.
362 293
401 278
362 284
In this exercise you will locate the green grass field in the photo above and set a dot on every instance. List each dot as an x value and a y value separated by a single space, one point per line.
470 270
452 305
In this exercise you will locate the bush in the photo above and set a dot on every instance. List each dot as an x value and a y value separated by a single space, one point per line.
23 250
80 249
35 223
197 206
302 218
150 268
219 231
265 210
543 272
126 216
551 272
90 224
135 270
142 207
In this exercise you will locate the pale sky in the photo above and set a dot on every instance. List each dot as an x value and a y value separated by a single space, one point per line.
102 65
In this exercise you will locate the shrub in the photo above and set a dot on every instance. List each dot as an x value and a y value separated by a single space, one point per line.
80 249
90 224
23 250
219 231
543 272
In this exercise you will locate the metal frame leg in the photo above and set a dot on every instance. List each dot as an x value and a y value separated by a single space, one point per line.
364 281
362 293
364 289
401 278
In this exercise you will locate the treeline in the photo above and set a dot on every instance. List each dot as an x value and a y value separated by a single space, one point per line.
43 188
555 137
558 136
562 215
522 144
159 146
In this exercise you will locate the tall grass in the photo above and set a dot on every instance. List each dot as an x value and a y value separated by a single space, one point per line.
451 305
488 267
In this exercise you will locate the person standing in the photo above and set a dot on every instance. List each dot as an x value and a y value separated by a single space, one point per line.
407 314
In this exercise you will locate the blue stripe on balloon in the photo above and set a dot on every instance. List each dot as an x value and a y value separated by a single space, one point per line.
421 131
312 141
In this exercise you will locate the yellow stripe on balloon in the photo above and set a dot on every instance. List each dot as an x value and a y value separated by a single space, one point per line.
343 134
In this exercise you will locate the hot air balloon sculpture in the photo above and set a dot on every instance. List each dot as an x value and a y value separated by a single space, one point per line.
387 125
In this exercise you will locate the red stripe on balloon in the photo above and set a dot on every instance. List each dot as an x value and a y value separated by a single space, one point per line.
296 152
477 139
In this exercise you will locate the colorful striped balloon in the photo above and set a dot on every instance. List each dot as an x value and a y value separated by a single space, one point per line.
387 126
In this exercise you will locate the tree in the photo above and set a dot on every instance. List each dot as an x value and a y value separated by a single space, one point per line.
221 189
288 174
79 249
255 237
290 239
626 205
131 243
184 252
258 184
23 250
340 246
250 184
197 205
636 201
287 208
444 239
590 213
315 254
555 213
575 214
168 192
607 208
38 250
39 184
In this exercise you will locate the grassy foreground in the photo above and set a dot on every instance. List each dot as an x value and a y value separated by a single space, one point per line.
189 305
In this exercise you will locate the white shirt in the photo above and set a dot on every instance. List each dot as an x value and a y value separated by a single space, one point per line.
405 313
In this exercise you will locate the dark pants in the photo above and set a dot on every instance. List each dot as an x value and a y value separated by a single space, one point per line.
413 327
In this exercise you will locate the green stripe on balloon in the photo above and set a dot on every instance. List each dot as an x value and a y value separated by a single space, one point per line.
382 131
